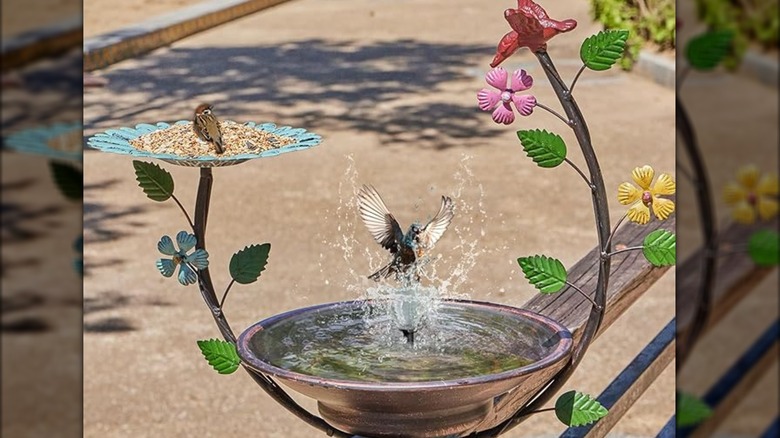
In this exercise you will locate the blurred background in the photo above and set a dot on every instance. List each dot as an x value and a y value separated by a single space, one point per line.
41 218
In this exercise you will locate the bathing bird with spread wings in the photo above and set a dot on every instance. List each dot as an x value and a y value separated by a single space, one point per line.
409 248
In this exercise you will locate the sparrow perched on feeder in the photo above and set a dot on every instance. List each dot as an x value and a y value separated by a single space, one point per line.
206 126
407 248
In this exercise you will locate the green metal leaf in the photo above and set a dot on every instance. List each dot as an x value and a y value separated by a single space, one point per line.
691 410
545 148
221 355
69 179
706 51
247 264
577 409
601 51
545 273
660 248
155 181
763 248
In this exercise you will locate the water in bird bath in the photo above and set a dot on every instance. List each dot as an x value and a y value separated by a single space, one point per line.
361 343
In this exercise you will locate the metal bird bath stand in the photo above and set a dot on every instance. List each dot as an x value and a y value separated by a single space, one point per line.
482 404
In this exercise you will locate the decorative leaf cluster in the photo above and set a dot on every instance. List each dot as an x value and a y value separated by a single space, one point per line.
708 50
763 248
155 181
545 148
578 409
247 264
69 180
545 273
690 410
659 248
601 51
221 355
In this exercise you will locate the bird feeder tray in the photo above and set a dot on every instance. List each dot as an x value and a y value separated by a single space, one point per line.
177 143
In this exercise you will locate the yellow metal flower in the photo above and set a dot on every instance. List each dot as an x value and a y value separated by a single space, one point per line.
752 195
647 195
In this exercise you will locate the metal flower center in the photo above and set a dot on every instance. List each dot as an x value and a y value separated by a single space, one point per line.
752 199
647 198
177 258
506 96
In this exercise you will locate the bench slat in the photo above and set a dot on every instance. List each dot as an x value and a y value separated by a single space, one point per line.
737 382
631 383
736 276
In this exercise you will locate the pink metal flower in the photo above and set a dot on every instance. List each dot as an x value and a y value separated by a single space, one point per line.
531 27
489 99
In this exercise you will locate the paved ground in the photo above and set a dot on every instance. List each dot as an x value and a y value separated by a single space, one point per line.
391 87
102 16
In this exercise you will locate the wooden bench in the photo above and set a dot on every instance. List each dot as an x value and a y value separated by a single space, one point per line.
631 277
737 276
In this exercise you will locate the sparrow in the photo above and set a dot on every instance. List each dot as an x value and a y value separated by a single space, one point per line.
206 126
407 248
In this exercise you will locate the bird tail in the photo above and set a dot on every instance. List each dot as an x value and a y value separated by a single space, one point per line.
382 273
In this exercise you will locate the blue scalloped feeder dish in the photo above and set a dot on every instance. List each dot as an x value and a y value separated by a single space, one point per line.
118 141
43 141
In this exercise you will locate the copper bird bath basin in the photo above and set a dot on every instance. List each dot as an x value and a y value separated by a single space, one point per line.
371 382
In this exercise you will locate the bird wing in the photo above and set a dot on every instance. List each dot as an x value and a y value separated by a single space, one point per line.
380 223
196 126
438 225
214 132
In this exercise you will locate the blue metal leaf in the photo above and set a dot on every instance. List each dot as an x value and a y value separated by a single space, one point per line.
165 246
166 267
187 275
199 259
186 241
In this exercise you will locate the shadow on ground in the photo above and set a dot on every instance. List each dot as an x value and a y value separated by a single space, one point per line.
102 221
110 300
370 87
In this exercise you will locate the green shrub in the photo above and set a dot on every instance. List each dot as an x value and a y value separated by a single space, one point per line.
646 20
753 21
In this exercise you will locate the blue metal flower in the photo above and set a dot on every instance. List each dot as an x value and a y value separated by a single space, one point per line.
118 141
199 259
62 141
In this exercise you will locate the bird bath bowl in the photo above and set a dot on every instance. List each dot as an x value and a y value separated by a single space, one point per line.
370 381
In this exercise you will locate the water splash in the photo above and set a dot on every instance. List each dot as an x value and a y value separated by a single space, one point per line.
445 273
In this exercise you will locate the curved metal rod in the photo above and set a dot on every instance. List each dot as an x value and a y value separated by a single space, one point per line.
709 233
601 212
210 297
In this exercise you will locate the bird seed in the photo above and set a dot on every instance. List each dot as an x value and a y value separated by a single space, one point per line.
237 139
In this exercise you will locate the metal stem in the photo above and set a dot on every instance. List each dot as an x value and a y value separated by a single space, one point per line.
183 210
210 297
601 212
709 233
574 82
553 112
582 174
630 248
